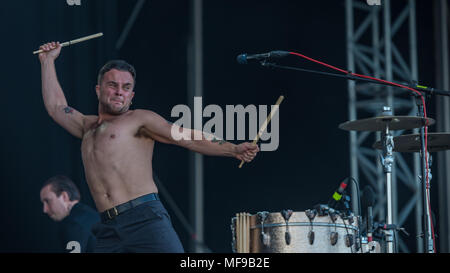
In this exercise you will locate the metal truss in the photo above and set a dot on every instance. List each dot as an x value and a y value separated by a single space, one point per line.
383 44
441 23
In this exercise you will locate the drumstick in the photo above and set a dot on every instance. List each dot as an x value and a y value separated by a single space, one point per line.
82 39
238 235
238 223
244 218
263 127
247 229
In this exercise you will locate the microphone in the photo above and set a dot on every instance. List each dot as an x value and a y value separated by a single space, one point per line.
244 58
338 194
369 198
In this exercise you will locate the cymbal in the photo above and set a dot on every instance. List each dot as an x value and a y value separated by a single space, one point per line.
380 123
411 143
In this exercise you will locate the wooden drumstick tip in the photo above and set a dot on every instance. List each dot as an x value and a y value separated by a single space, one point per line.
263 127
82 39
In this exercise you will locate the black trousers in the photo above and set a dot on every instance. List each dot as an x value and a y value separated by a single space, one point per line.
146 228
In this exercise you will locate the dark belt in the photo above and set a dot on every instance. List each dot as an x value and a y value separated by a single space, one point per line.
111 213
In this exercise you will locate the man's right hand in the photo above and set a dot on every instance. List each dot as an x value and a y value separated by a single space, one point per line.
51 51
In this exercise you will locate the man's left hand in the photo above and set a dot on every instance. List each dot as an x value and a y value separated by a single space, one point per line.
246 151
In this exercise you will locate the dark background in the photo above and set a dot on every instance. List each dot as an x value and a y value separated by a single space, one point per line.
312 157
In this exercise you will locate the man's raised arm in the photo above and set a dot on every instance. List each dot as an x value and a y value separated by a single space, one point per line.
52 93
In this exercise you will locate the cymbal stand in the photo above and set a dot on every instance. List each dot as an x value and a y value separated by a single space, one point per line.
387 160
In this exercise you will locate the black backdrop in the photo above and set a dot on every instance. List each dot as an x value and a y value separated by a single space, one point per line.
312 157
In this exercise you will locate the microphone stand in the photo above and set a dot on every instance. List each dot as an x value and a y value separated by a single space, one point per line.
425 179
429 90
429 243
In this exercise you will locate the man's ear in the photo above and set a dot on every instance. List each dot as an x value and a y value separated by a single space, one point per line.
97 90
65 196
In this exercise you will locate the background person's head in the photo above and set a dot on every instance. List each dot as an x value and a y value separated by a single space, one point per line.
58 195
115 85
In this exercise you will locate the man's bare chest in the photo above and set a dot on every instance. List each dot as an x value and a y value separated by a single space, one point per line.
107 135
105 131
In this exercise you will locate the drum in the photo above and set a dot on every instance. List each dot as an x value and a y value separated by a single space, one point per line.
294 232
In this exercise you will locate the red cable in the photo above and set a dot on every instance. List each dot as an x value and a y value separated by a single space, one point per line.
424 114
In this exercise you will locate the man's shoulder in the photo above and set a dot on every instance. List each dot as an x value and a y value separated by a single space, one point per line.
89 120
143 112
84 208
82 214
145 115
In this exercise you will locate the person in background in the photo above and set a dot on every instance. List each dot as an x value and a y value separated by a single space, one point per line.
61 202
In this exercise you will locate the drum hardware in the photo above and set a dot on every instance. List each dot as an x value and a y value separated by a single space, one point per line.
358 243
350 220
382 231
349 240
339 204
311 236
233 234
404 231
380 227
379 123
370 247
286 215
386 123
263 237
287 236
311 214
410 143
343 201
415 143
354 240
333 215
322 210
334 237
387 162
421 235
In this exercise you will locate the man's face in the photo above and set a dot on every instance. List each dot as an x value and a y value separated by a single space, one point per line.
56 207
115 92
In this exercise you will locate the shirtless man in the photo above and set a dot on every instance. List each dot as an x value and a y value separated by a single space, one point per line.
117 148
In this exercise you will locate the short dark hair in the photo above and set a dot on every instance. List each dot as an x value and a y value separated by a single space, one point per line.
120 65
61 183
